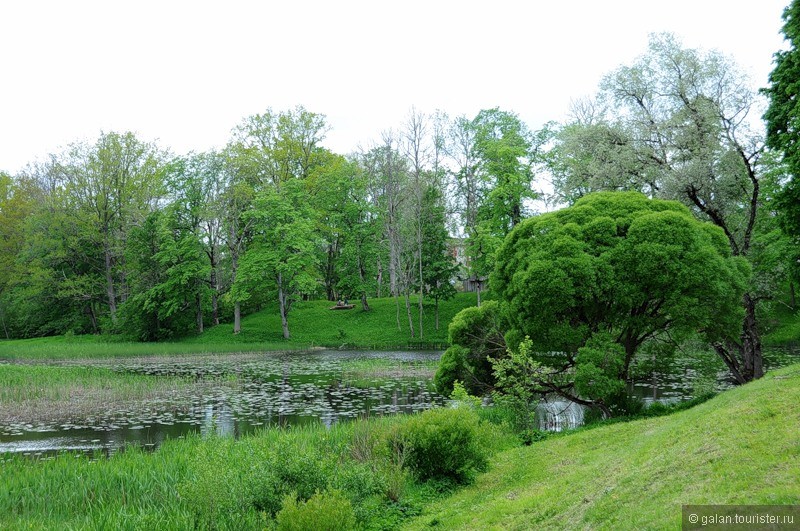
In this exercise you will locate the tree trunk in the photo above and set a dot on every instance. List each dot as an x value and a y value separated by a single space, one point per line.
112 298
379 279
478 289
421 283
744 359
237 318
393 256
436 312
329 269
93 319
284 310
3 317
199 311
237 309
361 275
408 312
364 304
214 290
397 311
751 342
792 299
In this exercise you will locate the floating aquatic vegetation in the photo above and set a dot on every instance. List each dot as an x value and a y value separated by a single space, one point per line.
237 394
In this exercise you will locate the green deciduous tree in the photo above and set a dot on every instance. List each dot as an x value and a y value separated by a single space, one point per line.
349 228
283 247
109 186
615 265
438 264
269 155
18 201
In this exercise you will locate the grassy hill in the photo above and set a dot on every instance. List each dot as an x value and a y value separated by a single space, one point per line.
311 324
742 447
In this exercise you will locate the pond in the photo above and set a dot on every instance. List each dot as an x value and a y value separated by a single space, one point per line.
239 394
236 395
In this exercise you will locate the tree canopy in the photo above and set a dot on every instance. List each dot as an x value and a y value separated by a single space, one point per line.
619 265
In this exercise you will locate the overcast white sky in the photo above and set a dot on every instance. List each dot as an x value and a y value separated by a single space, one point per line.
185 72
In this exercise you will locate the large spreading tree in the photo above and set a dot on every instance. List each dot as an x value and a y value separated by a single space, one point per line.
583 288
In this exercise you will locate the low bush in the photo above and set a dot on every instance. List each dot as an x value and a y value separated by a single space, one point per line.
444 444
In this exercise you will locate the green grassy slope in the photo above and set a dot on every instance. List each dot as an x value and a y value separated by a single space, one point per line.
742 447
311 324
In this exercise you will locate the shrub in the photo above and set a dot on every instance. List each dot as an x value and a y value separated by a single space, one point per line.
444 444
214 490
451 369
474 334
291 468
233 481
329 510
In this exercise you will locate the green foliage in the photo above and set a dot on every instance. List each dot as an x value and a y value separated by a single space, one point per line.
618 264
621 262
504 146
463 398
169 282
782 116
329 510
474 335
452 369
439 267
219 490
349 227
598 366
283 248
519 378
444 444
518 373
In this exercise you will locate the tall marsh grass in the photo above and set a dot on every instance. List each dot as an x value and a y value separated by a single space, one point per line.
221 483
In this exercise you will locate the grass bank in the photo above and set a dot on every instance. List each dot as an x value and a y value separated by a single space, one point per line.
742 447
311 324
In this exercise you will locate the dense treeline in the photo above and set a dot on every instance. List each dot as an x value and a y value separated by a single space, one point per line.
118 236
